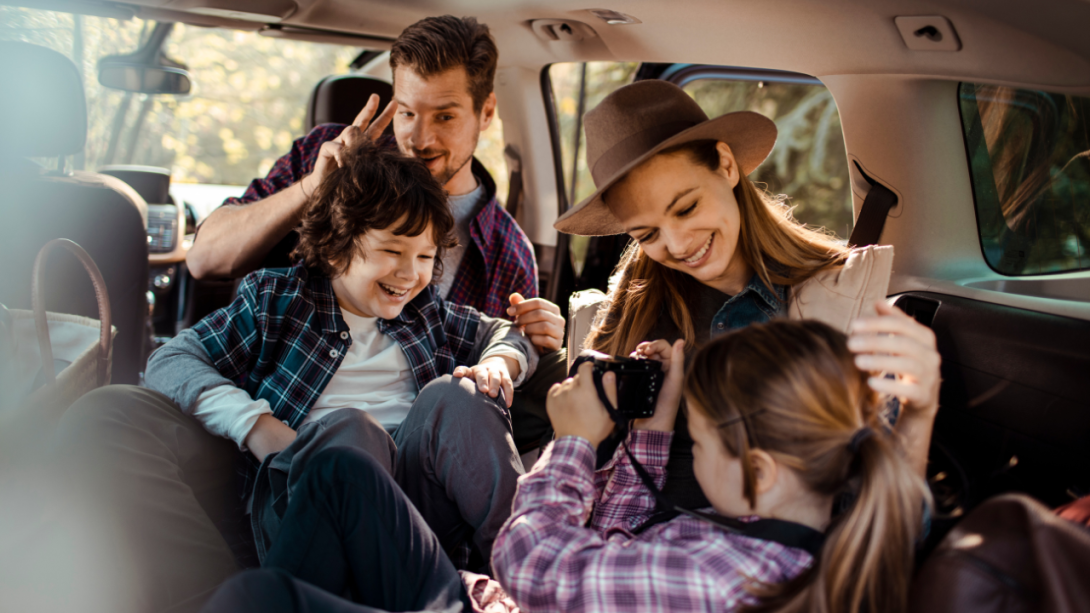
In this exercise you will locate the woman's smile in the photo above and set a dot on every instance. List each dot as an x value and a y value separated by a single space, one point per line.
698 259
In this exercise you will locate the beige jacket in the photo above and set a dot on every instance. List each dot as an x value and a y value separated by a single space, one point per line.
837 297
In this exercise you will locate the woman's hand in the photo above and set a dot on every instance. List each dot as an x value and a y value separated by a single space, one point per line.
575 410
895 343
673 362
492 375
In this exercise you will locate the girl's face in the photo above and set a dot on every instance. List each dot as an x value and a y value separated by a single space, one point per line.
394 270
718 472
685 216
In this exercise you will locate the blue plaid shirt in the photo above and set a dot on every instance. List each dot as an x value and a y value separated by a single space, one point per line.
283 338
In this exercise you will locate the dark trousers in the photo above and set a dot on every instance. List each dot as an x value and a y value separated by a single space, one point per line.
348 531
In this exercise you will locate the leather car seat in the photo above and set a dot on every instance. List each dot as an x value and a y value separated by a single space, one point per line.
43 114
339 98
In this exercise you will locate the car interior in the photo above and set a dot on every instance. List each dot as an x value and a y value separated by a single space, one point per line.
955 108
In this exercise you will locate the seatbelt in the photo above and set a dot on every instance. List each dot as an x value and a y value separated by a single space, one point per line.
786 533
514 184
872 217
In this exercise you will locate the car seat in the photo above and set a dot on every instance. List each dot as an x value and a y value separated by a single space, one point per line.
339 98
43 114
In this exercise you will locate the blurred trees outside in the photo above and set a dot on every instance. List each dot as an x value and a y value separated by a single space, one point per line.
809 163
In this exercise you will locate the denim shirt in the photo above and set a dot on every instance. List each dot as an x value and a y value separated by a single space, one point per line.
755 304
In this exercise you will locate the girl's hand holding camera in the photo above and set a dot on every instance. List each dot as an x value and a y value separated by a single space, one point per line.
575 410
492 375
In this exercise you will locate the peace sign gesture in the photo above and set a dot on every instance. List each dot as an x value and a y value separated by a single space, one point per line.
329 156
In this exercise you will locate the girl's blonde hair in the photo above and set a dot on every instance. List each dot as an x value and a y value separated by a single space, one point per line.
791 388
776 246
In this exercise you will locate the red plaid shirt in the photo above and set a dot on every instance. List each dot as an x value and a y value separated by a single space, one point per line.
498 263
547 559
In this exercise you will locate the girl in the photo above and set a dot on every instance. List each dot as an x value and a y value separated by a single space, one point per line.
783 424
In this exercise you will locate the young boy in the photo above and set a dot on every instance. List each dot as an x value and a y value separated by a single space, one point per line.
334 350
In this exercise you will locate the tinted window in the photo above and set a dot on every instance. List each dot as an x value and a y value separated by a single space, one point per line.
1029 156
809 163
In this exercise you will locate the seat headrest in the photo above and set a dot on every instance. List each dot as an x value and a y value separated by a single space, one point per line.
43 112
338 99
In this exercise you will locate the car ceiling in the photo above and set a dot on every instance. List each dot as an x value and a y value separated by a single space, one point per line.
1043 43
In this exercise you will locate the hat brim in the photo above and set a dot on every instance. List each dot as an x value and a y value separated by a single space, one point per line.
751 137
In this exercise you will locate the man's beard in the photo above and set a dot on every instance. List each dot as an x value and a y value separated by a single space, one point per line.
452 169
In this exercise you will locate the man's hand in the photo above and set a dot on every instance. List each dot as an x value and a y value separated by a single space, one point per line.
269 435
540 320
329 156
575 410
673 362
492 375
895 343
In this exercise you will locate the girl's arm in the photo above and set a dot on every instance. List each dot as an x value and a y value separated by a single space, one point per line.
621 499
547 560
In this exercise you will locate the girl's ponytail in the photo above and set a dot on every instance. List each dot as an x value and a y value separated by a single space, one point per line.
792 390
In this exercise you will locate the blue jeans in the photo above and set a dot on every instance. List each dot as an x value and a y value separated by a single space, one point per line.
349 541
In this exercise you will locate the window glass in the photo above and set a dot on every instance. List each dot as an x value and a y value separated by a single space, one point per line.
577 88
809 163
248 102
1029 155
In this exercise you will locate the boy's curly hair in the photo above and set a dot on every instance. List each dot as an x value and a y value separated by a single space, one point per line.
374 188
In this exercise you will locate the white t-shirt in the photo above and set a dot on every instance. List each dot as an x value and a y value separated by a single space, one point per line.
374 376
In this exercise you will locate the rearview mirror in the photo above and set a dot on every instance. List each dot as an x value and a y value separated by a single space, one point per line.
143 78
147 70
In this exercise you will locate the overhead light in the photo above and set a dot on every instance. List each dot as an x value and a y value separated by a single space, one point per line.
614 18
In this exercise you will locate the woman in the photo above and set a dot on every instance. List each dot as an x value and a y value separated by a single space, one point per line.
785 426
711 253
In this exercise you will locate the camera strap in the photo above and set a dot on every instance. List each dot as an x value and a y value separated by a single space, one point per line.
786 533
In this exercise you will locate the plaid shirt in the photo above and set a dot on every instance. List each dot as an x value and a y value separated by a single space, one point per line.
498 263
547 560
283 338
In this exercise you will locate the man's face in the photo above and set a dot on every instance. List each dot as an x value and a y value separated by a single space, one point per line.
436 123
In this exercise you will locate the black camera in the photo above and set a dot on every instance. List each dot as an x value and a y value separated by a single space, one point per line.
638 382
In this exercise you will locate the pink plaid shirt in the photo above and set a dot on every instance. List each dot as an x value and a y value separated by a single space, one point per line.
548 560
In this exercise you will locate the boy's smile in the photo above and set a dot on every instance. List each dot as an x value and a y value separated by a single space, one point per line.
389 272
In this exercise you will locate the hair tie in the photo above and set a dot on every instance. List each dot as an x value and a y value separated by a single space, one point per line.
860 435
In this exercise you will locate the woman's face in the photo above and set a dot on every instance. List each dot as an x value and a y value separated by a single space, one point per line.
685 216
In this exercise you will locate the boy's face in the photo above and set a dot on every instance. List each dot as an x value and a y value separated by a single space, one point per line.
392 272
436 123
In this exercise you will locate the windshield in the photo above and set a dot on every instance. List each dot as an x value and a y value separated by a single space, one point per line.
248 101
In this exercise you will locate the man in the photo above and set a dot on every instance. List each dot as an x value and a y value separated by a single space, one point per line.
439 110
171 486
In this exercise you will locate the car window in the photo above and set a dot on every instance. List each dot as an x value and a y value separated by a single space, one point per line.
248 102
1029 157
809 163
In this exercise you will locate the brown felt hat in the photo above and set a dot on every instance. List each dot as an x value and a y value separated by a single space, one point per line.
639 120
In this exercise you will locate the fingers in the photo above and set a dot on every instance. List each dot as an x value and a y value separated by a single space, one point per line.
545 343
462 371
508 387
523 306
375 130
910 391
367 112
891 320
655 350
890 363
515 298
331 150
483 377
609 384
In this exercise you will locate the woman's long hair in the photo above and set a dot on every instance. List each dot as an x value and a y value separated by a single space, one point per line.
777 247
791 388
